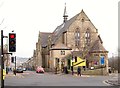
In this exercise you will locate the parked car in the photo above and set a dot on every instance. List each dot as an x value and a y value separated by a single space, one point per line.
40 69
24 69
19 70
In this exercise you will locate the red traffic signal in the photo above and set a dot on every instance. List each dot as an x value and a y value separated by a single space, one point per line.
12 42
12 35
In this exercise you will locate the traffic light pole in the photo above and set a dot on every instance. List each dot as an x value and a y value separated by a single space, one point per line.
2 61
15 65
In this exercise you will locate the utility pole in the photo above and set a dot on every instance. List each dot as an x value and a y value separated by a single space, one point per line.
2 61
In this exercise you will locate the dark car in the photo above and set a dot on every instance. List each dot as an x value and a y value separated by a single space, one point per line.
19 70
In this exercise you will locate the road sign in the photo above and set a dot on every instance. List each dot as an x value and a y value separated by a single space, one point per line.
102 61
80 62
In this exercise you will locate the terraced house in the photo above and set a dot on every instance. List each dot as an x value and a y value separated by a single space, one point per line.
76 37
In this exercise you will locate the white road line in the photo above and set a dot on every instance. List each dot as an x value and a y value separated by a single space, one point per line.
106 83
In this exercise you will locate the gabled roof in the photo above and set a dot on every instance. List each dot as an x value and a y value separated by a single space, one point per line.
44 37
98 46
57 32
60 29
63 28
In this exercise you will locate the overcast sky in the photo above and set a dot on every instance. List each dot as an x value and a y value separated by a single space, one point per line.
28 17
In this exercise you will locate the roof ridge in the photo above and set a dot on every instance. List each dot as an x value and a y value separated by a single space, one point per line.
47 32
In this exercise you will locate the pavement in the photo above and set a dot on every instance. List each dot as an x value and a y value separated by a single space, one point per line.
115 79
113 82
10 74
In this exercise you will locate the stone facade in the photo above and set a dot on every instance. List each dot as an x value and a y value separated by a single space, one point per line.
74 37
37 58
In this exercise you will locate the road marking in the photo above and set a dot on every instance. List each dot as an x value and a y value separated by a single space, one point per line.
106 83
86 76
75 75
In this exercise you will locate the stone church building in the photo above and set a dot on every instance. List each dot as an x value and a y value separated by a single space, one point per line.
76 37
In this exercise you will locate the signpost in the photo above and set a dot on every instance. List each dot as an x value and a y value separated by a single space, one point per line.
80 62
102 62
2 62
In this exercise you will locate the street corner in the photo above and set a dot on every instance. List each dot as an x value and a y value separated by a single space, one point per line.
106 82
112 82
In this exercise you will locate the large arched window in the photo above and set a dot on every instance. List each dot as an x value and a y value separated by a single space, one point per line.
87 37
77 37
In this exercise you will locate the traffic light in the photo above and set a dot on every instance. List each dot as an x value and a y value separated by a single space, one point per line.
12 59
12 42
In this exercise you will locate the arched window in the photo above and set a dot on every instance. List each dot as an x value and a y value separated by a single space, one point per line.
77 37
87 37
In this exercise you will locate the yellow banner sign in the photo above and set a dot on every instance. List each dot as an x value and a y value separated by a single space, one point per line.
79 62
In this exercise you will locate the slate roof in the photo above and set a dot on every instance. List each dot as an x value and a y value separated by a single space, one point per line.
63 28
44 37
98 45
57 32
